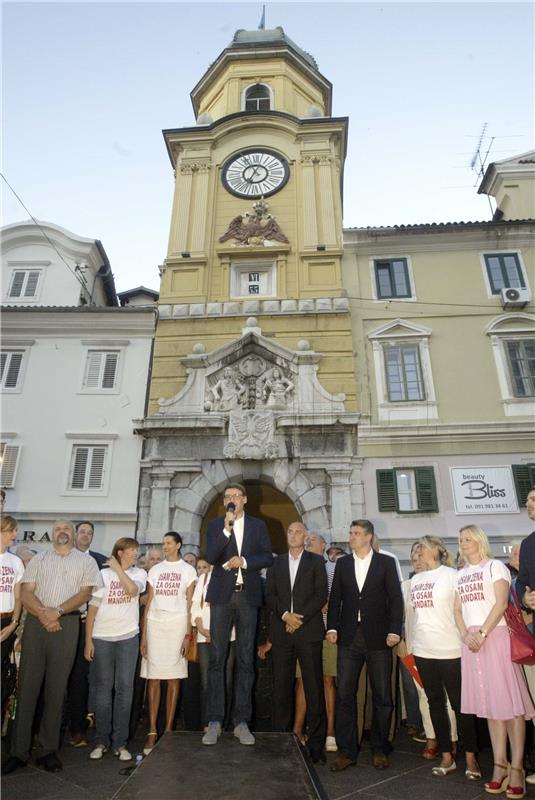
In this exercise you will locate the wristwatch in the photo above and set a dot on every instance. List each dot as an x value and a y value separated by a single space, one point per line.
60 611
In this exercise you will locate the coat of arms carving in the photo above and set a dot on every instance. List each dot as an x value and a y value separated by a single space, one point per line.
258 228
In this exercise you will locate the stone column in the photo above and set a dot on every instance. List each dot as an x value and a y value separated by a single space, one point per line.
325 193
199 207
159 503
310 227
341 515
179 235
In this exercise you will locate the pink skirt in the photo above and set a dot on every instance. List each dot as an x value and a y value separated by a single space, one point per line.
493 687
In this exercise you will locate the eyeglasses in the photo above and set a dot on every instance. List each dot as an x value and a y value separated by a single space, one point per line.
232 496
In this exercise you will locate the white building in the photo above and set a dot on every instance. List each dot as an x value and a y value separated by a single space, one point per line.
74 371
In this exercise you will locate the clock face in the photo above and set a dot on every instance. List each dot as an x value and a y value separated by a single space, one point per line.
256 172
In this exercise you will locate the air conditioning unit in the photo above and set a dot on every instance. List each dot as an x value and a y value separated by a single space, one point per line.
515 298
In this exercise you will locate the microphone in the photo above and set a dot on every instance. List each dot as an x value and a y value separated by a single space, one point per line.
232 508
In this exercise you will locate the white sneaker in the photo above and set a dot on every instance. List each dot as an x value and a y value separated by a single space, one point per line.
98 752
123 753
330 744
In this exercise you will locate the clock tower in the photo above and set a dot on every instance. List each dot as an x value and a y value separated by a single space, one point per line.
253 373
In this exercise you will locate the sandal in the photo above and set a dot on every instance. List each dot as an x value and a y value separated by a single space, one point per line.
147 750
497 787
443 771
473 774
513 792
430 753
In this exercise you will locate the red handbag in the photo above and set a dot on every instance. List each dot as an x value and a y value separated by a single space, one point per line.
522 641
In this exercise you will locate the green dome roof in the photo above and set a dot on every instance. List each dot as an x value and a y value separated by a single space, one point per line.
274 36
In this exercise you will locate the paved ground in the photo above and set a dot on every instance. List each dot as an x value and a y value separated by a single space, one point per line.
409 777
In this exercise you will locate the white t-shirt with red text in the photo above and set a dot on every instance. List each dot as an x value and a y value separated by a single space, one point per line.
475 586
118 612
169 581
11 571
432 597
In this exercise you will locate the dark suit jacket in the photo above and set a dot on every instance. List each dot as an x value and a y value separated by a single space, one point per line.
380 602
309 596
526 573
256 550
99 558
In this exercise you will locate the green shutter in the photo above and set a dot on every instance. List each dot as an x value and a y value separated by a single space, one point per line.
524 477
426 490
386 490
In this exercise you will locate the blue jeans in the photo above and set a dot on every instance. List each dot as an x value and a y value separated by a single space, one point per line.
351 659
222 617
204 659
410 694
112 683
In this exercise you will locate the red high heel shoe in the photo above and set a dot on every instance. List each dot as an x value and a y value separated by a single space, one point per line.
497 787
516 792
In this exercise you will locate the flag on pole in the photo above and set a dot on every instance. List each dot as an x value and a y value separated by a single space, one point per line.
262 25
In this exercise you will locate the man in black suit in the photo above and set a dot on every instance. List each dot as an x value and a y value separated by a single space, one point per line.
525 582
296 591
238 546
364 618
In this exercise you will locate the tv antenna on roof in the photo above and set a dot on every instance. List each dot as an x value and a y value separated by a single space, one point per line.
479 161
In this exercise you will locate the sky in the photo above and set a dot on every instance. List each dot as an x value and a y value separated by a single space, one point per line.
88 87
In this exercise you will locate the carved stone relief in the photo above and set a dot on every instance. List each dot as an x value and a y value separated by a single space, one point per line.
258 228
251 383
251 434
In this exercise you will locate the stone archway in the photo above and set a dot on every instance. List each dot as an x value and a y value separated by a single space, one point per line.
267 503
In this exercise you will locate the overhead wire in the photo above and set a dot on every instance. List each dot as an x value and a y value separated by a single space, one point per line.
51 243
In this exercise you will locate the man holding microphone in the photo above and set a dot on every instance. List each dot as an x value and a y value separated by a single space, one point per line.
239 547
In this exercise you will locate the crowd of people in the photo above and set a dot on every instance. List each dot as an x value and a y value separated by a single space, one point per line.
98 638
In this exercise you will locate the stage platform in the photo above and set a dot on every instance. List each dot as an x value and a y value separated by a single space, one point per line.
181 767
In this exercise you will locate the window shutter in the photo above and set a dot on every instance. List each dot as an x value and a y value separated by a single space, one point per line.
81 456
16 284
96 471
13 370
110 368
92 375
3 362
31 284
386 490
426 490
524 478
10 455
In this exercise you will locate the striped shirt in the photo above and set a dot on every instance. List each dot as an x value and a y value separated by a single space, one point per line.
58 578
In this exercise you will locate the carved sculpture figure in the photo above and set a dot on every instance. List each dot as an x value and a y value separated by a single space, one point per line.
228 391
276 390
251 229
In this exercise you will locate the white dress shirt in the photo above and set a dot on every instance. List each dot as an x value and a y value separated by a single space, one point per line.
362 566
238 534
294 566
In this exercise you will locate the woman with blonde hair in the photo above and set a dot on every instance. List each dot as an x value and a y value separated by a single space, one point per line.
493 687
436 645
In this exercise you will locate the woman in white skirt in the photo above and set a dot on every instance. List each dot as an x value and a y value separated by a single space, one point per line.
166 633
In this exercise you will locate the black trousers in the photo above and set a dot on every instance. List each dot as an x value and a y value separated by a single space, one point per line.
310 656
78 688
441 676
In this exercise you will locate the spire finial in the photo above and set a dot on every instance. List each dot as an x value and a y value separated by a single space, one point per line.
262 25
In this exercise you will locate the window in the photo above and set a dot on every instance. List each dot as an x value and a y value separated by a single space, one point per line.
87 471
24 283
504 271
521 359
524 478
253 280
408 490
258 98
10 369
9 457
403 372
392 278
101 370
512 337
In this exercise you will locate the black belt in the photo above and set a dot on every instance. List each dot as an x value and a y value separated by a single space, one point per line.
71 614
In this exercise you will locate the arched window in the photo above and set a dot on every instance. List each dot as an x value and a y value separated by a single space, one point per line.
258 98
